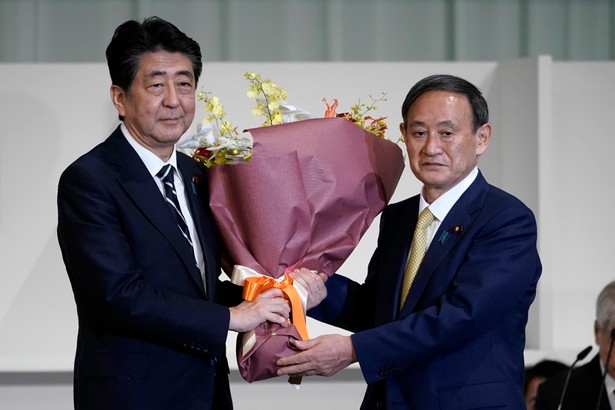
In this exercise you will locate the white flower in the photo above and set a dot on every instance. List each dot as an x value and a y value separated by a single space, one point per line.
290 113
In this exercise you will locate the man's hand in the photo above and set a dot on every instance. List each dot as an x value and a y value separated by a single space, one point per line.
268 306
324 356
314 283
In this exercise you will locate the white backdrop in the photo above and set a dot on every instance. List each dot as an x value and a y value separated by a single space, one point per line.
550 148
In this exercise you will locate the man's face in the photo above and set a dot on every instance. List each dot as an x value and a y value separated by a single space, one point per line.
159 107
442 148
603 340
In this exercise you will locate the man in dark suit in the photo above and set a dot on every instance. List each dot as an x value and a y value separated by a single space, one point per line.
153 315
457 342
585 387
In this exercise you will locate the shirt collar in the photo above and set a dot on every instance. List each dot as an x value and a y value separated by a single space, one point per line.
441 206
151 160
609 382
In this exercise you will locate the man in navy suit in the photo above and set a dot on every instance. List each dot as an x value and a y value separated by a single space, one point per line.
153 314
585 386
457 342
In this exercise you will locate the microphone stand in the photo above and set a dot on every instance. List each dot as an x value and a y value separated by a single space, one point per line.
580 357
606 368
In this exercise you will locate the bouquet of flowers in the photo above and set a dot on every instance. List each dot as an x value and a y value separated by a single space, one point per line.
303 196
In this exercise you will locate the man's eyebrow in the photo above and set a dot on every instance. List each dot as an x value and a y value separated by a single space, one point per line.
443 123
448 123
416 123
187 73
155 73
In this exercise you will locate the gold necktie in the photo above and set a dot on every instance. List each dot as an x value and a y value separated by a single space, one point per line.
419 247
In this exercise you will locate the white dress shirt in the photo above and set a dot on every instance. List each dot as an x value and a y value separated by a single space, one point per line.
609 386
609 383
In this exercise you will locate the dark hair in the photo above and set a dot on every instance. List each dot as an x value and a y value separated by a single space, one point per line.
444 82
132 39
544 368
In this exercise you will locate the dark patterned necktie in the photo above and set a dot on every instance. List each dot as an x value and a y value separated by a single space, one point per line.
166 176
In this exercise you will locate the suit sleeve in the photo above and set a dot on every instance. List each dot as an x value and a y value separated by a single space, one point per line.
351 306
100 246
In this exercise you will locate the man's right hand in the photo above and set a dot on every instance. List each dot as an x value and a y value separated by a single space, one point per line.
268 306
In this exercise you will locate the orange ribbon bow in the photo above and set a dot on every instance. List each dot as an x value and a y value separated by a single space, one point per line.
253 286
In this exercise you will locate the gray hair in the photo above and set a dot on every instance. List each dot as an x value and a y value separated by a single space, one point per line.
605 307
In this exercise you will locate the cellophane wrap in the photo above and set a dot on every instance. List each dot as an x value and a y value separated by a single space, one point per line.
305 199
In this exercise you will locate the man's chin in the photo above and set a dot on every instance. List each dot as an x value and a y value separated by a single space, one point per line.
432 179
172 136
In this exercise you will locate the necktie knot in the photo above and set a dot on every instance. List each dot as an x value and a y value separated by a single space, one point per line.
166 173
425 219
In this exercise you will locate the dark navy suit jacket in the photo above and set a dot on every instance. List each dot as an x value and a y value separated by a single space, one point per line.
458 341
150 335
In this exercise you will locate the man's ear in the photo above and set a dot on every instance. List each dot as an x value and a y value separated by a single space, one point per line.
118 98
484 136
402 129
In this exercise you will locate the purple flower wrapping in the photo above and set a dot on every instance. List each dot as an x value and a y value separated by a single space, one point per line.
307 196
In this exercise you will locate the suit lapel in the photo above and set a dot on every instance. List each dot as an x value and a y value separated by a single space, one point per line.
198 199
451 231
397 228
141 188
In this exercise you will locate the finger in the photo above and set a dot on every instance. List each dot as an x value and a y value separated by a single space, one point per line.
289 370
298 279
303 273
311 279
292 361
280 320
303 344
298 275
271 293
281 310
301 369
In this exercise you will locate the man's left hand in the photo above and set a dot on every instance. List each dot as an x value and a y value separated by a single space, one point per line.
324 356
314 283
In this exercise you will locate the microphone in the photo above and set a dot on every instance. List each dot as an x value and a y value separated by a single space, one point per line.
606 368
580 357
